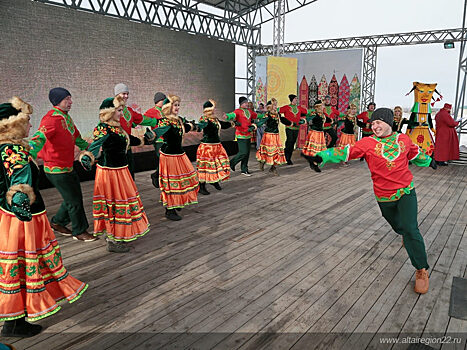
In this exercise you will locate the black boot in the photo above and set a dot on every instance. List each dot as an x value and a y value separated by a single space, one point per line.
155 179
20 328
202 188
313 165
171 214
217 186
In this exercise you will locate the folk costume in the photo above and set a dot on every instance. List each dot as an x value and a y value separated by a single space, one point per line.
212 160
156 113
117 208
294 114
244 126
55 143
388 159
420 122
270 151
347 136
399 120
364 118
447 142
332 115
178 180
31 269
315 141
129 119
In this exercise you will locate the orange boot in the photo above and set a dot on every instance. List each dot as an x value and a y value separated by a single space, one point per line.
421 281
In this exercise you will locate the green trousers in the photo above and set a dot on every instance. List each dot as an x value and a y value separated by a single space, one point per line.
72 209
402 216
243 154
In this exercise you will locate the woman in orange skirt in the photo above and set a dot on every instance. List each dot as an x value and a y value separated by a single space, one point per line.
315 141
117 208
33 278
347 136
212 160
178 180
270 151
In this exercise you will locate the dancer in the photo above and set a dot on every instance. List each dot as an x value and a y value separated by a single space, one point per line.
388 154
332 115
294 114
244 126
447 142
156 113
31 268
212 160
399 120
55 143
315 141
270 151
347 136
178 180
364 117
129 119
117 208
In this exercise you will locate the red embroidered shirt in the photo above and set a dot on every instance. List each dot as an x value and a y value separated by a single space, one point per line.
55 141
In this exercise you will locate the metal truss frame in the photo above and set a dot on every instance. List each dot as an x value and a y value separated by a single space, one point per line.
182 15
370 45
278 27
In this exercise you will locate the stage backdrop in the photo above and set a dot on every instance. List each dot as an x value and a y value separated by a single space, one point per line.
335 73
275 77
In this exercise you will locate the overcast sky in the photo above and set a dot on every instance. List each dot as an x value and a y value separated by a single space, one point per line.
397 67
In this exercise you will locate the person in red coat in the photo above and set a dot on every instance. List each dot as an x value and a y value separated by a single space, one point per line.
446 140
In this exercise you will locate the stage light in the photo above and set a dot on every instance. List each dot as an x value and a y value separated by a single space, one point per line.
449 44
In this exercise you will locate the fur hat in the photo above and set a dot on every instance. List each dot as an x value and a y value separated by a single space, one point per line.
168 102
384 114
108 107
208 107
291 97
14 119
371 104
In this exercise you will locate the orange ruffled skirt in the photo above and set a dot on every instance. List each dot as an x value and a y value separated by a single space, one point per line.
33 278
271 151
178 181
315 143
346 139
117 208
212 162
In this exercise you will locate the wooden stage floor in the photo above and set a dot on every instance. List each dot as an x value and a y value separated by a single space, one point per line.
300 261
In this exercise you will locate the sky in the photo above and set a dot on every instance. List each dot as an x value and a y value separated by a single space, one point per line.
397 67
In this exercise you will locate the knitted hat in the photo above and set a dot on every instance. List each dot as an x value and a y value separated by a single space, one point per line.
14 119
291 97
159 96
447 106
56 95
318 102
119 88
384 114
108 107
242 100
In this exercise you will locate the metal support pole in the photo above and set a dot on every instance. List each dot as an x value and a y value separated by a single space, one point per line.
251 73
278 28
461 80
369 76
